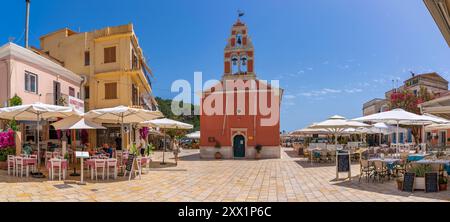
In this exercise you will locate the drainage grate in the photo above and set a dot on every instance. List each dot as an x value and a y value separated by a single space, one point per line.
62 186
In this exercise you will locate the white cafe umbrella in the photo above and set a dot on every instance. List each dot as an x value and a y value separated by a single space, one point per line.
309 130
165 123
397 117
36 112
337 124
76 122
122 115
194 135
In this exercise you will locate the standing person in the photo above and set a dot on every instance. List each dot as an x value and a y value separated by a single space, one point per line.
176 150
118 141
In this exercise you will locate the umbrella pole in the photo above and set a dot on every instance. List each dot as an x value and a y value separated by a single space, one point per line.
37 141
423 139
397 139
164 151
121 134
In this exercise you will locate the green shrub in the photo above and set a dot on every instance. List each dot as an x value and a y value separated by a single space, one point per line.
149 149
5 152
443 180
421 169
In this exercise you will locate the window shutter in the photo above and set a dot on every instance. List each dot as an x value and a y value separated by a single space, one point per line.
87 58
111 90
110 54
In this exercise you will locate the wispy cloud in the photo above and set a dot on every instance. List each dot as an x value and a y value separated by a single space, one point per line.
290 103
328 91
355 90
289 96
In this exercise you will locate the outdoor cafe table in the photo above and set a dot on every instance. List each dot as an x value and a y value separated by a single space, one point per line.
389 162
28 161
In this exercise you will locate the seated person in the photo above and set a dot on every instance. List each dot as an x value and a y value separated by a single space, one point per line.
27 148
107 149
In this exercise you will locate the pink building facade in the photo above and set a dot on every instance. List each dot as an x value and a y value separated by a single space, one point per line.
35 78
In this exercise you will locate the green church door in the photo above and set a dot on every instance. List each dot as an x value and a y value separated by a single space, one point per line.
239 146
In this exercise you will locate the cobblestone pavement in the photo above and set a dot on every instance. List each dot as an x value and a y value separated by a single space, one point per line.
287 179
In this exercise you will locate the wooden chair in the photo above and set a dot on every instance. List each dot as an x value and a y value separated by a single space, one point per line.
366 169
111 163
11 165
57 164
99 163
19 165
380 170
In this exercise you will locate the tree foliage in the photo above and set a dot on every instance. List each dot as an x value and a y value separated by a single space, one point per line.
165 108
407 101
14 101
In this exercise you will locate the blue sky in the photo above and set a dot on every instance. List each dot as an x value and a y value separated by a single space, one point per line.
329 55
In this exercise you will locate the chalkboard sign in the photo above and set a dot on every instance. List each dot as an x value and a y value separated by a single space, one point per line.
431 182
408 182
343 162
129 164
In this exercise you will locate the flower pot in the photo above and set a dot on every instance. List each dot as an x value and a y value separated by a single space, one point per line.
218 155
3 165
419 183
258 155
442 187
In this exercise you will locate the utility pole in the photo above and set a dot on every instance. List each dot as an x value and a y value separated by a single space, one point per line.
27 22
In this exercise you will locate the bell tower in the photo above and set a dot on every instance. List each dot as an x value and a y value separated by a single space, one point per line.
239 53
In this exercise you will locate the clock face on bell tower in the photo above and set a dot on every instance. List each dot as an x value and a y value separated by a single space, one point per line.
238 53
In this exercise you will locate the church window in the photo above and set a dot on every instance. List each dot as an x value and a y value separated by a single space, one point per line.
234 65
238 40
243 66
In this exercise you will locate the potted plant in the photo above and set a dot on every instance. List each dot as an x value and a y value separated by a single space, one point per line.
420 170
443 183
400 183
258 149
218 155
149 149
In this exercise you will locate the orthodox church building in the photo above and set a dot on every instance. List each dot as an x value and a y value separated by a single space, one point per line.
241 113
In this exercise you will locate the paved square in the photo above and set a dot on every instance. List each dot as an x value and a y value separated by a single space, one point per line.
286 179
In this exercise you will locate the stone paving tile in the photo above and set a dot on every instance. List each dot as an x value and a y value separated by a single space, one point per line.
194 179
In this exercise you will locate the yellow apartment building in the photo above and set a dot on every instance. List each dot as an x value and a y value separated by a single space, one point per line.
113 67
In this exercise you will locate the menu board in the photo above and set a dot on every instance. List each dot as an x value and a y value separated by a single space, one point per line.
408 182
343 162
431 182
129 164
81 154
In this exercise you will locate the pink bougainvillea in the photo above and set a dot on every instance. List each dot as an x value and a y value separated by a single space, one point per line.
7 139
143 132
